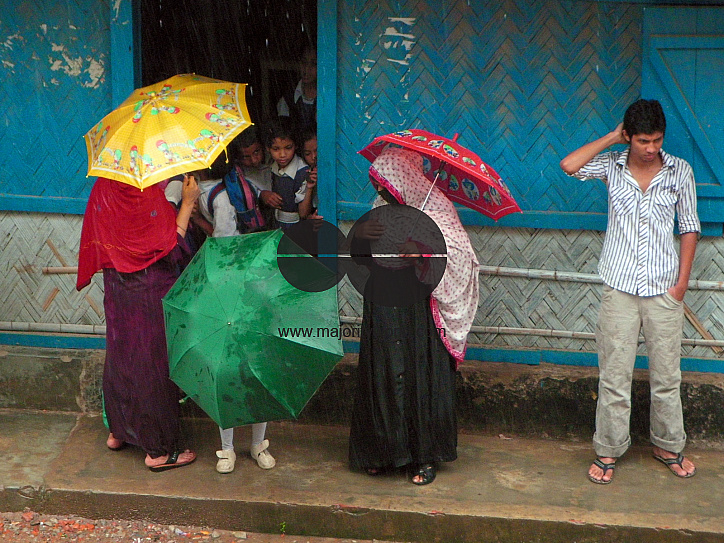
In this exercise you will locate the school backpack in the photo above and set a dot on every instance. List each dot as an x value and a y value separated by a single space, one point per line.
242 197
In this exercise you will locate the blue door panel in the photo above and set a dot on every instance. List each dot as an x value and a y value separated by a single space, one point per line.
683 67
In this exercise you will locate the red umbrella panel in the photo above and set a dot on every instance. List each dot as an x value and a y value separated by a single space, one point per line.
464 177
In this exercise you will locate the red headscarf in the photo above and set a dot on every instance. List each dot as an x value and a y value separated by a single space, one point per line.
124 228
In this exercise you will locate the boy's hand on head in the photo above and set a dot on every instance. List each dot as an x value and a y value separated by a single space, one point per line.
270 198
619 132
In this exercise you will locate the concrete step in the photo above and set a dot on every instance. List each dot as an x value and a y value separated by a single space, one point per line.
545 401
501 489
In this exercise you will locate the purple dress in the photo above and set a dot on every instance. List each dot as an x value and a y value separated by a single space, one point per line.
141 402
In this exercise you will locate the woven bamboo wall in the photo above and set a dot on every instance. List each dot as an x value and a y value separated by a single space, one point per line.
563 305
32 241
29 242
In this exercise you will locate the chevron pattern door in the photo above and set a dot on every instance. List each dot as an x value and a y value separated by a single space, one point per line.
53 86
684 68
523 82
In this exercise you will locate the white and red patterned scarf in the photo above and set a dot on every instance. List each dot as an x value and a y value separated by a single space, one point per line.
454 301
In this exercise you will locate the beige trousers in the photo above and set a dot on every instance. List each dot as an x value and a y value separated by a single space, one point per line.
621 318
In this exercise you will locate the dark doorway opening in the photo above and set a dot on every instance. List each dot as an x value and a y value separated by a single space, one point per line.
258 42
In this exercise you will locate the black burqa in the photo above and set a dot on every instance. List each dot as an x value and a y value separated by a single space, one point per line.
404 408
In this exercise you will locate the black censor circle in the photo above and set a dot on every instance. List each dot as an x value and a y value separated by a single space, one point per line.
394 255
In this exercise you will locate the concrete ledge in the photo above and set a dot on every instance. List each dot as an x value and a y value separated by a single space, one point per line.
545 400
50 379
504 490
538 401
342 522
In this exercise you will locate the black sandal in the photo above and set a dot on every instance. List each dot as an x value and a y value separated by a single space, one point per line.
426 472
605 468
676 461
173 462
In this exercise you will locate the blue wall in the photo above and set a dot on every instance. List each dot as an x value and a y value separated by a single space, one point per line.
64 66
523 83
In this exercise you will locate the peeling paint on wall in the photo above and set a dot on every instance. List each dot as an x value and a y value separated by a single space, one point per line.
71 66
7 51
96 70
116 8
54 67
398 41
367 65
77 66
67 54
9 41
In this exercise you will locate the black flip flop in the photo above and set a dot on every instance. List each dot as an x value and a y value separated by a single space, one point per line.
678 461
605 467
172 462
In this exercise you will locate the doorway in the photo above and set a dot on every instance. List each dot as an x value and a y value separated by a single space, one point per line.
258 42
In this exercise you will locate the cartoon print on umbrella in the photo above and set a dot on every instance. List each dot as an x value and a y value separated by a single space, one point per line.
174 126
454 169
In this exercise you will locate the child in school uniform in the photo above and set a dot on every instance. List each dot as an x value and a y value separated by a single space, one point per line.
288 171
307 194
216 207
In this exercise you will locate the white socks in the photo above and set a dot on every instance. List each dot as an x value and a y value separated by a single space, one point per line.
258 431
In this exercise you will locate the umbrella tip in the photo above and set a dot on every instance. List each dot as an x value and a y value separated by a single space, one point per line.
455 137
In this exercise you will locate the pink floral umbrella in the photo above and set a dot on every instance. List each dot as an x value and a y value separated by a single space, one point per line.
457 171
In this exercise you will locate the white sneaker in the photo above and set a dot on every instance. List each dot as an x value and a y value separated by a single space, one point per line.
261 455
226 462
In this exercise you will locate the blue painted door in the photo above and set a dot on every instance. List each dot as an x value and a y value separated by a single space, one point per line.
63 66
683 67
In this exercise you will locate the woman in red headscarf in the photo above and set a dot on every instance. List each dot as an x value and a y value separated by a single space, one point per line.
136 238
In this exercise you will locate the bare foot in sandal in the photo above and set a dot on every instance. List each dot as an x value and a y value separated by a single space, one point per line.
423 474
176 459
678 464
601 471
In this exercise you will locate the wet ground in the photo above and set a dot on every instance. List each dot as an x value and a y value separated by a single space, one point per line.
29 527
502 489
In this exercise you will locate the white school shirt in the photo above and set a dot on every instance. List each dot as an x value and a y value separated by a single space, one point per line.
283 107
296 164
638 255
259 178
224 218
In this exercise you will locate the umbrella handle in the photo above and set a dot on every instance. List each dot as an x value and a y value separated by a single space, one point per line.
429 192
437 175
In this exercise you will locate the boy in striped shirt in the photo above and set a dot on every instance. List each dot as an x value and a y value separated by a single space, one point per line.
644 282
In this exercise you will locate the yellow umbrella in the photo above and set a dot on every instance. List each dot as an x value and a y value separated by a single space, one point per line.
175 126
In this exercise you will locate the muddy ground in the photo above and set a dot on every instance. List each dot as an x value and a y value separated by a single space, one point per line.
32 527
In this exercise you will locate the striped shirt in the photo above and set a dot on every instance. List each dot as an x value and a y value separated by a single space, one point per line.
638 255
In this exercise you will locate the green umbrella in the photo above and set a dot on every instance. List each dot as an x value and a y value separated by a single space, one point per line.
226 318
